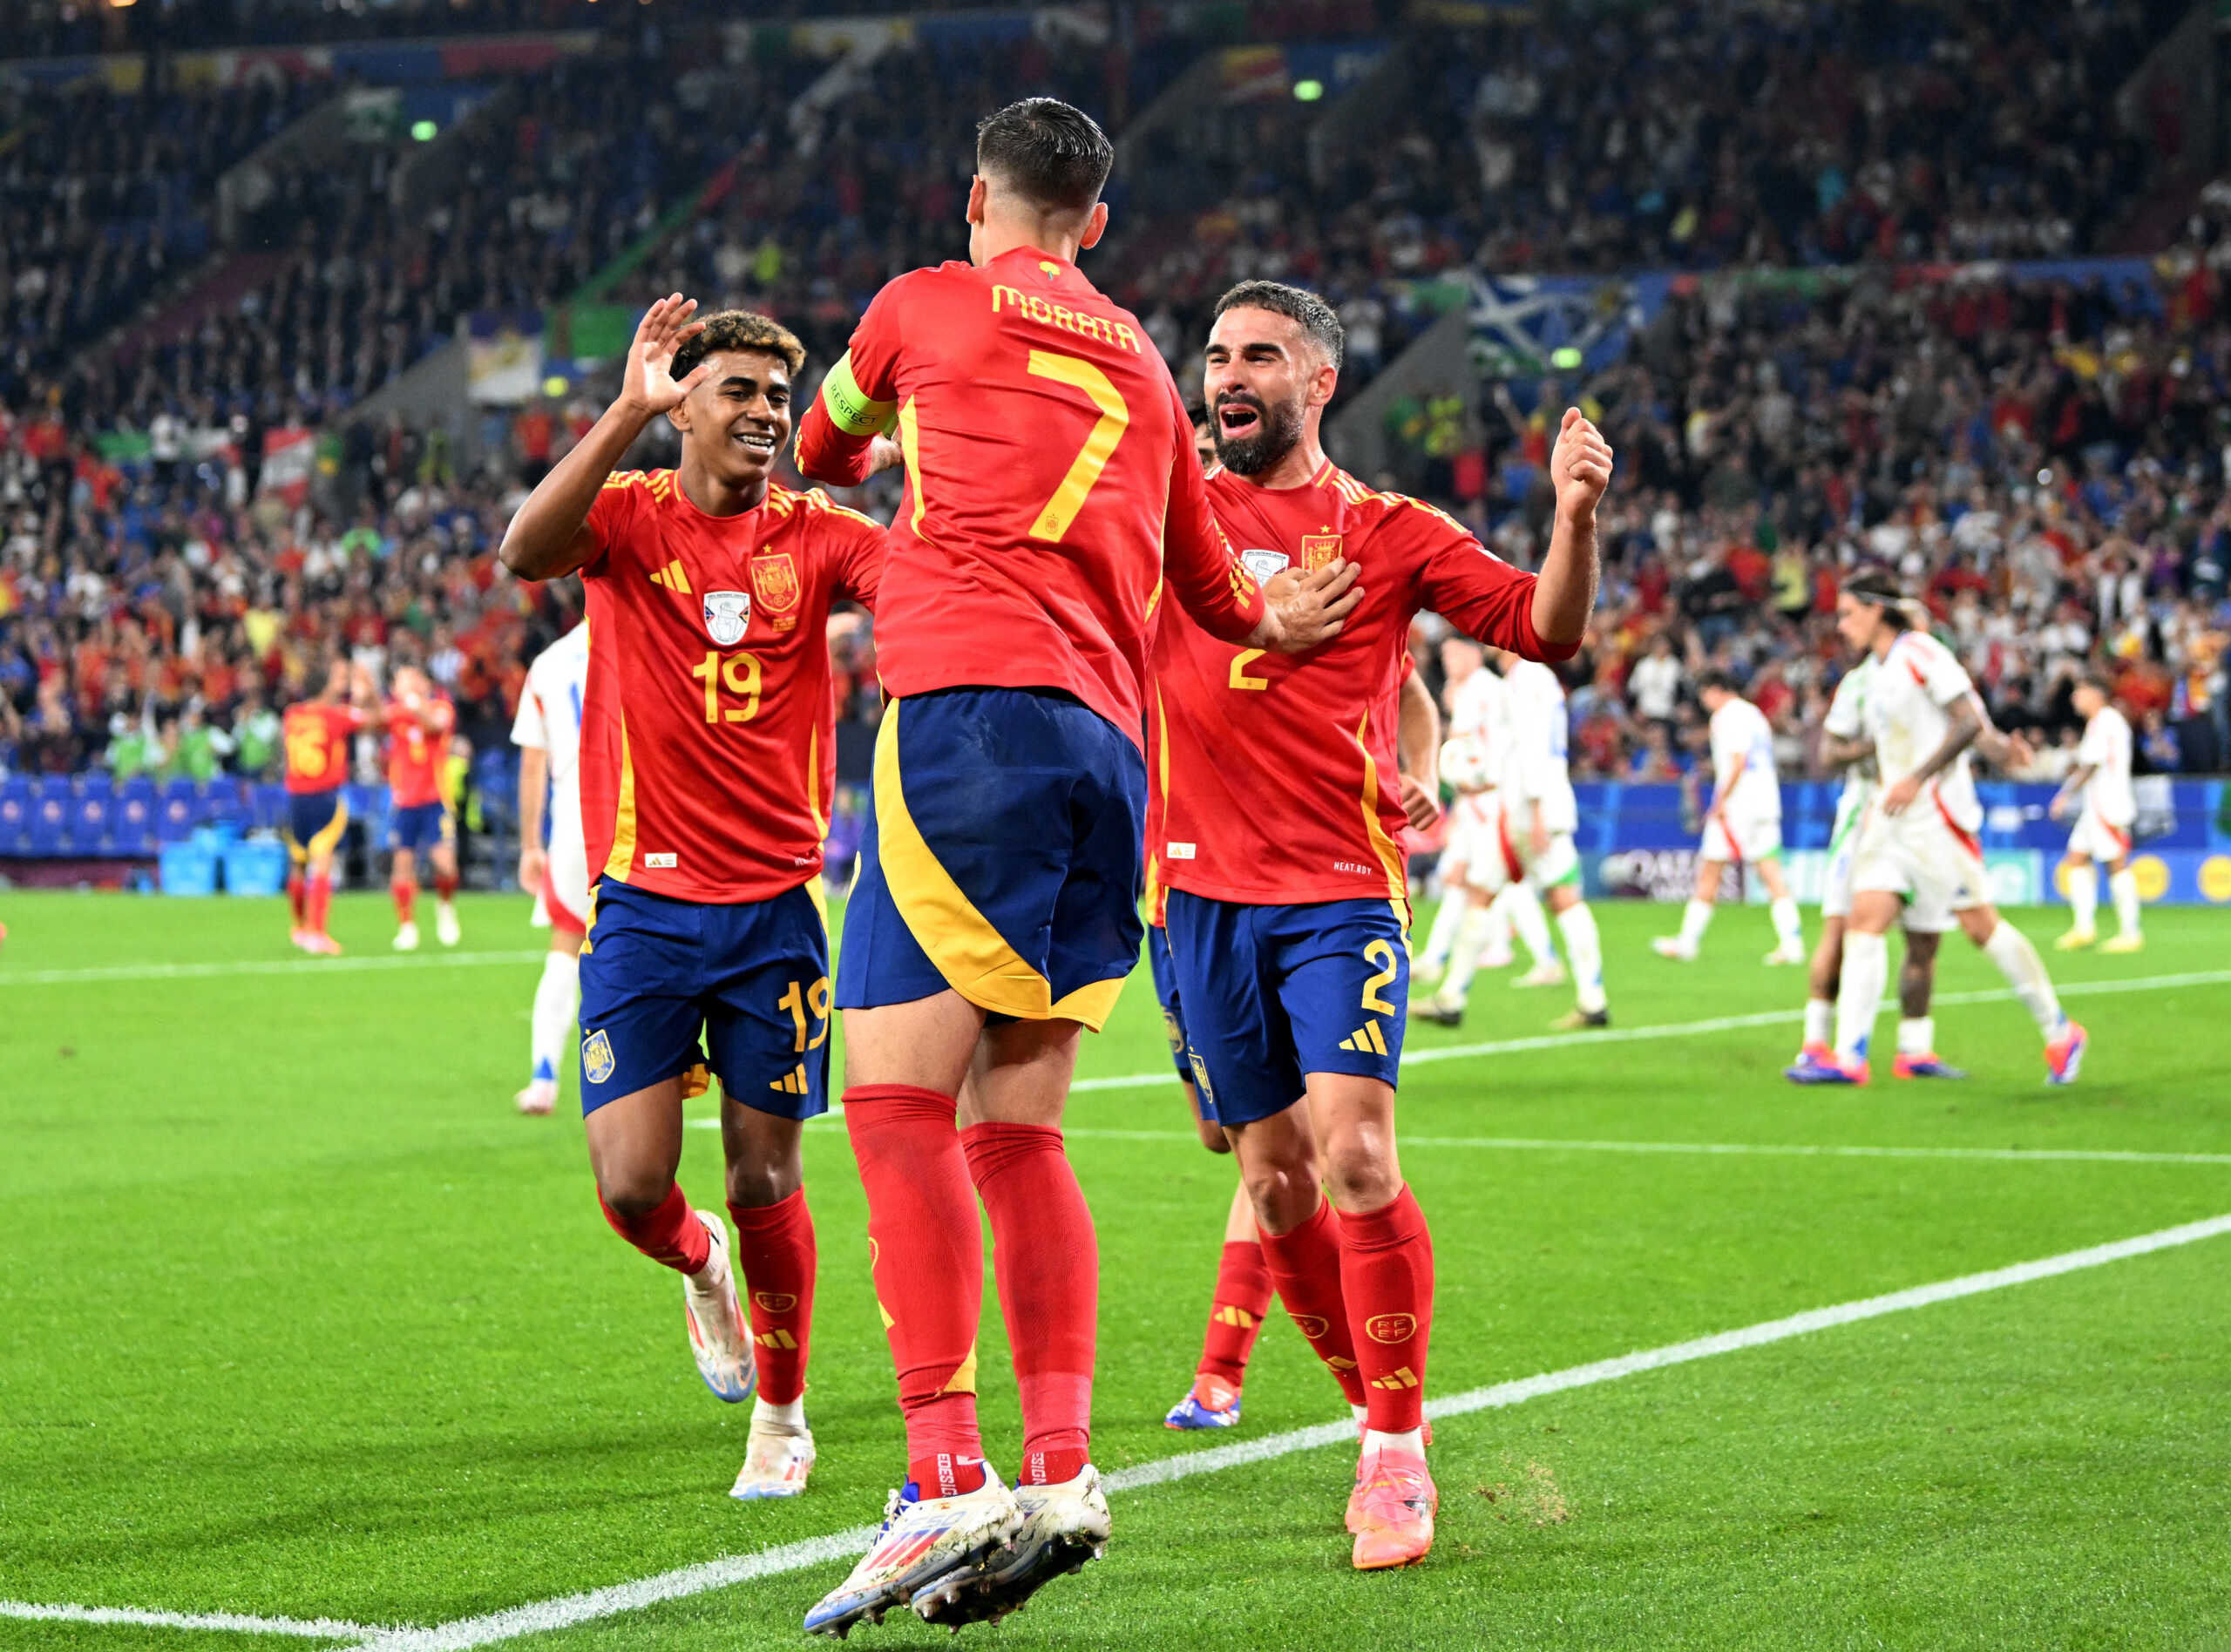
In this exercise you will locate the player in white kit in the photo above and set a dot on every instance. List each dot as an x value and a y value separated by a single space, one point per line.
547 731
1530 845
1916 849
2098 791
1743 823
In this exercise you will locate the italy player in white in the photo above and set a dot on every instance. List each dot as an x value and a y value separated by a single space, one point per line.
1743 823
1530 847
547 731
1916 849
2098 792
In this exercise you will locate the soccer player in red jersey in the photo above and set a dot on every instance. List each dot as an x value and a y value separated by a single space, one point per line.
315 735
707 712
1280 840
1052 489
419 721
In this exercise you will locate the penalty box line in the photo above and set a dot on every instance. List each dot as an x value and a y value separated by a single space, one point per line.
566 1611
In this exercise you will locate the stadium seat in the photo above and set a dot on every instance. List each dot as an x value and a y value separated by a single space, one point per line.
16 800
222 805
266 807
132 823
49 823
91 816
178 812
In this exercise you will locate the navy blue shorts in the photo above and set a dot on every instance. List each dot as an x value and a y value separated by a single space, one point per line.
421 826
1273 993
1173 1010
1001 858
751 979
314 822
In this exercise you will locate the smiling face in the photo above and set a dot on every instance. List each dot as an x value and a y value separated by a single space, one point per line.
736 421
1264 374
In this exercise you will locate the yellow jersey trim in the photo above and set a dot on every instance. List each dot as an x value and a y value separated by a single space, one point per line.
910 446
617 863
1390 856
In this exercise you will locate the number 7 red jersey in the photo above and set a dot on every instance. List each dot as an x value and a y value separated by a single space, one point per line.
1050 485
1275 783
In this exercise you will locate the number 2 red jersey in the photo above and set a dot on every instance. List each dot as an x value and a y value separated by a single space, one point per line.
418 749
708 711
316 735
1050 485
1276 782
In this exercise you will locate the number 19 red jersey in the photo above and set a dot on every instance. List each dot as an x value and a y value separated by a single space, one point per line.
1276 782
708 711
1051 484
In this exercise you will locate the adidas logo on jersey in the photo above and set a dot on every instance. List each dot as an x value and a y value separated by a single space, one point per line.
1365 1039
673 578
791 1083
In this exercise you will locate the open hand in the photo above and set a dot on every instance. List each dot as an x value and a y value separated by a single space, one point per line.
1900 796
650 386
1306 609
1580 466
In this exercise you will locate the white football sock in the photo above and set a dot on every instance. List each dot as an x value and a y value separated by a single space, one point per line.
2024 971
1694 916
2084 897
1361 1411
1495 935
555 998
1463 960
1789 930
2123 886
1411 1440
1440 940
1585 948
1820 1021
1524 908
786 1418
1918 1035
1867 972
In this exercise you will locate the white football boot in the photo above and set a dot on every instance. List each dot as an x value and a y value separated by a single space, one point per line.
923 1542
775 1463
1063 1525
447 930
718 1336
406 938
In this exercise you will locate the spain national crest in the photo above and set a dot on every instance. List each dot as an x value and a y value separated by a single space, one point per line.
727 614
1318 549
596 1058
774 581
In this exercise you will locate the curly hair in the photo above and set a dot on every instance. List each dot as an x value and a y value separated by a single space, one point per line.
740 330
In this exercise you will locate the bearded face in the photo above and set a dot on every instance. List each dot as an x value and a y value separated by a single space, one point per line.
1252 435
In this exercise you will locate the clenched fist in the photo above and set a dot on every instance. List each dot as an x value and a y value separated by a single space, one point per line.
1580 466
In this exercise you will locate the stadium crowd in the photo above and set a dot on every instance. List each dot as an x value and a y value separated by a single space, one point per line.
2047 464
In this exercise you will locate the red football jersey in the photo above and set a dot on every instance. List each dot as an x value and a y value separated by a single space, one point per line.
1050 484
316 735
418 748
708 711
1277 777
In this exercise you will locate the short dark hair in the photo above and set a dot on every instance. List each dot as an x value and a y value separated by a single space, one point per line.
2092 677
1879 587
1716 677
1054 155
1298 305
740 330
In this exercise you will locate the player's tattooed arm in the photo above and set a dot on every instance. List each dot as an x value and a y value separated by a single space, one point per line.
550 537
2071 789
1564 594
1964 724
1836 753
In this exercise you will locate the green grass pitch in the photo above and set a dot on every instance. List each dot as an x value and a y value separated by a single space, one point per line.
298 1320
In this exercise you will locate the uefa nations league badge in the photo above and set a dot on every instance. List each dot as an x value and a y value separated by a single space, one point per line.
1264 563
727 613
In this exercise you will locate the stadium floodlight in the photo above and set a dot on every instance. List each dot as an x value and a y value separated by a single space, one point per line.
1308 90
423 131
1565 358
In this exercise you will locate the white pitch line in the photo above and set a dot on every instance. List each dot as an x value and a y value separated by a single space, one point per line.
258 966
543 1617
1417 1056
308 1629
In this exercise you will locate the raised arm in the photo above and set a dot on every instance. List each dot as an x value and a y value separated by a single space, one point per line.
550 535
1580 469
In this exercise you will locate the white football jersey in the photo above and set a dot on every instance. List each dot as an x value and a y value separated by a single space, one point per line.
1475 712
1741 735
1915 684
550 721
1533 766
2105 747
1846 720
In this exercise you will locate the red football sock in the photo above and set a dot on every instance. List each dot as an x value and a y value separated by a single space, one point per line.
926 1248
406 896
297 895
1235 1316
321 899
444 885
1304 1266
671 1234
1386 1268
774 1252
1046 1258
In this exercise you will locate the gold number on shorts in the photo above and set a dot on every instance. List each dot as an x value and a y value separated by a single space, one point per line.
1053 523
811 1001
1381 952
737 673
